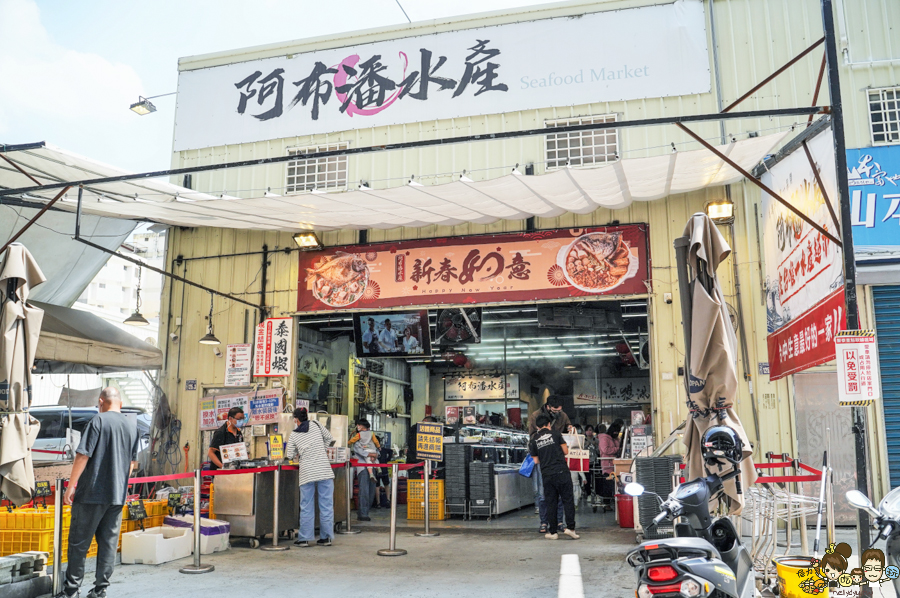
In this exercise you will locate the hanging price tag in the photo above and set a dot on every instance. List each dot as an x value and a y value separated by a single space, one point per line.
137 512
174 500
42 489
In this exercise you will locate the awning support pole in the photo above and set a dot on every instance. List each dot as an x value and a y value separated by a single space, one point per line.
19 168
500 135
33 220
843 185
760 184
145 265
816 94
762 83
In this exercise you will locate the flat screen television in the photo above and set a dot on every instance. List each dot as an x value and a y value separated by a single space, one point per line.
393 334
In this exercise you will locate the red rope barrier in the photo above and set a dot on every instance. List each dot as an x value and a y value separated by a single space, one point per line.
49 452
783 479
773 465
178 476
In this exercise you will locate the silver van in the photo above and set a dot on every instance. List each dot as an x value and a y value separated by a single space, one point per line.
61 430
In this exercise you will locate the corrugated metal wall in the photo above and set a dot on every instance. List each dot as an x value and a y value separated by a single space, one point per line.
754 37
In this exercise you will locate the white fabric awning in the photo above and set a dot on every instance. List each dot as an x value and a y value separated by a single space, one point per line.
510 197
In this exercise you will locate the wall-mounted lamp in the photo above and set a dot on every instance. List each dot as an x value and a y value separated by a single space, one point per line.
721 212
308 241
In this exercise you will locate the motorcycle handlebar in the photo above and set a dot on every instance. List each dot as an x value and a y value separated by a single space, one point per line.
659 518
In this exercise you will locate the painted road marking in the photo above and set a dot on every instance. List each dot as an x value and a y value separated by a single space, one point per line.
570 584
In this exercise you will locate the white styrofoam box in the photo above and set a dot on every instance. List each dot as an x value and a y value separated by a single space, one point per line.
214 534
156 545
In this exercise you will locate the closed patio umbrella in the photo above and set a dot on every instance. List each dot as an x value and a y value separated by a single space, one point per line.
711 350
20 327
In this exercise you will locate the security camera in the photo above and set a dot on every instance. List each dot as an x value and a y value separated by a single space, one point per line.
174 337
217 351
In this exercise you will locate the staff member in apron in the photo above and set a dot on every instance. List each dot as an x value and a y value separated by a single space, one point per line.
229 433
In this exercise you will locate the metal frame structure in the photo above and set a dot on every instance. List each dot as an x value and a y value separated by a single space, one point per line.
830 60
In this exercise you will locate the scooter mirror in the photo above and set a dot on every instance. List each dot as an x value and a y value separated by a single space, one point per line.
860 501
634 489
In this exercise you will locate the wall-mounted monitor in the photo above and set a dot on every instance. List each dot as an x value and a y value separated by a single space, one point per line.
392 334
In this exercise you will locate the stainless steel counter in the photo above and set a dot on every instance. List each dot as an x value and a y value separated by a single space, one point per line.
246 501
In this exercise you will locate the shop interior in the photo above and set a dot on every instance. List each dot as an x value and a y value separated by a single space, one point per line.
488 368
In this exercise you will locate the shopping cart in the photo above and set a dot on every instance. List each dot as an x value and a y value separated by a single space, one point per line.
603 487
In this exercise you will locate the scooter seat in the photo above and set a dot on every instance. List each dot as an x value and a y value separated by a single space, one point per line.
681 544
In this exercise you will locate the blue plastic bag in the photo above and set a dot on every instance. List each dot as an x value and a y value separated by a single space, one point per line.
527 467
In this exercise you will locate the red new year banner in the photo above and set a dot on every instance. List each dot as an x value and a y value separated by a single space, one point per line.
554 264
808 340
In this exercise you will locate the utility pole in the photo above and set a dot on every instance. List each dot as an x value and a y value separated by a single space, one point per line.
840 158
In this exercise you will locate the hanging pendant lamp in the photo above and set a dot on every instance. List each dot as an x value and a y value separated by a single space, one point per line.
210 338
136 319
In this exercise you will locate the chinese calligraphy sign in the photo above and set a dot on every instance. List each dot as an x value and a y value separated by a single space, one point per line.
473 388
525 266
448 74
809 340
274 341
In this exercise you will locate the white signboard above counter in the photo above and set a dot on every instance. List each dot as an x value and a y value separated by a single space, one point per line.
479 388
648 52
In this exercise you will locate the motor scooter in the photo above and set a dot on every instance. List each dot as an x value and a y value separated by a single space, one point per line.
887 520
706 558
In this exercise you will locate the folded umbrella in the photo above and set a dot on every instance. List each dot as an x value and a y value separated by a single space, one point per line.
20 327
712 363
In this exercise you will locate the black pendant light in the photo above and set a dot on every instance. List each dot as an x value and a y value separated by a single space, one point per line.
136 319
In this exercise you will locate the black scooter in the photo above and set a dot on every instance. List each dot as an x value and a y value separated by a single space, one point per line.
887 520
705 559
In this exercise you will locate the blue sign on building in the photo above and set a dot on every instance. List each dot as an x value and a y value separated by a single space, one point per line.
874 174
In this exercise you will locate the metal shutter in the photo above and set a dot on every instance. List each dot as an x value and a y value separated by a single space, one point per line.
887 322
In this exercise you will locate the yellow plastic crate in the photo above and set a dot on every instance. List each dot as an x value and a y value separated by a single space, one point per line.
32 519
16 541
415 490
153 508
415 510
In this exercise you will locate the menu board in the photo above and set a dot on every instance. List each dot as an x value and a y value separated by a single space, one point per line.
261 408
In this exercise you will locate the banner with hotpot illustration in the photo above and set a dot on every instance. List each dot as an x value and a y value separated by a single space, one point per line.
553 264
802 266
637 53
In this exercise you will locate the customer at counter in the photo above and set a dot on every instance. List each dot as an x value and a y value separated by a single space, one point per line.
228 433
549 450
307 443
559 423
365 448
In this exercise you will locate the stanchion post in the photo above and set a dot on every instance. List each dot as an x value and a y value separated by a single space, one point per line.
197 567
392 550
57 539
348 476
427 533
277 489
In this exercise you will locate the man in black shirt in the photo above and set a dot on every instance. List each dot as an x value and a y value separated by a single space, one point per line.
549 450
229 433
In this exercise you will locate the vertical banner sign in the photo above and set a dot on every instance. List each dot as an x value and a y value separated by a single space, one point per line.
274 345
804 269
208 415
238 361
430 441
859 376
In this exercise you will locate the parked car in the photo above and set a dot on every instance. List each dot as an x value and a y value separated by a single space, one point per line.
57 435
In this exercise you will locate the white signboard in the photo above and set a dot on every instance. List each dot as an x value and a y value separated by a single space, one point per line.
648 52
612 390
274 345
476 388
859 376
262 407
233 452
238 361
802 266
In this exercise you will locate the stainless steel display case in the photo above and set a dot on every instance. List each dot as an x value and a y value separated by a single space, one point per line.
246 501
511 490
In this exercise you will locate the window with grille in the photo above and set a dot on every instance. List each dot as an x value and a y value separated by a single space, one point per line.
321 173
583 147
884 115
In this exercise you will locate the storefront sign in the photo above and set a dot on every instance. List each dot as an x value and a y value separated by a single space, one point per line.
874 176
452 414
613 390
430 441
274 342
803 267
474 388
649 52
807 341
259 408
859 376
238 361
518 267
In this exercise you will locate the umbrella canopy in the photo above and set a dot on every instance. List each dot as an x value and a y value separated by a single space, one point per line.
20 327
712 383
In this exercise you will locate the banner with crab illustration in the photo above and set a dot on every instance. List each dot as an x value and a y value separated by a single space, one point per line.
557 264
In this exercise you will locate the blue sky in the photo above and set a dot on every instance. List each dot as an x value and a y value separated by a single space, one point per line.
70 69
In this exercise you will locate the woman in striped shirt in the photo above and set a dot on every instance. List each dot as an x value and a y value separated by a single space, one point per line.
307 443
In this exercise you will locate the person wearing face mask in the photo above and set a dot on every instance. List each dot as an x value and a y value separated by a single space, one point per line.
365 447
559 422
229 433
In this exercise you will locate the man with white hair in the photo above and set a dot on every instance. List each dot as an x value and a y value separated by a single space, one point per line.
97 489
